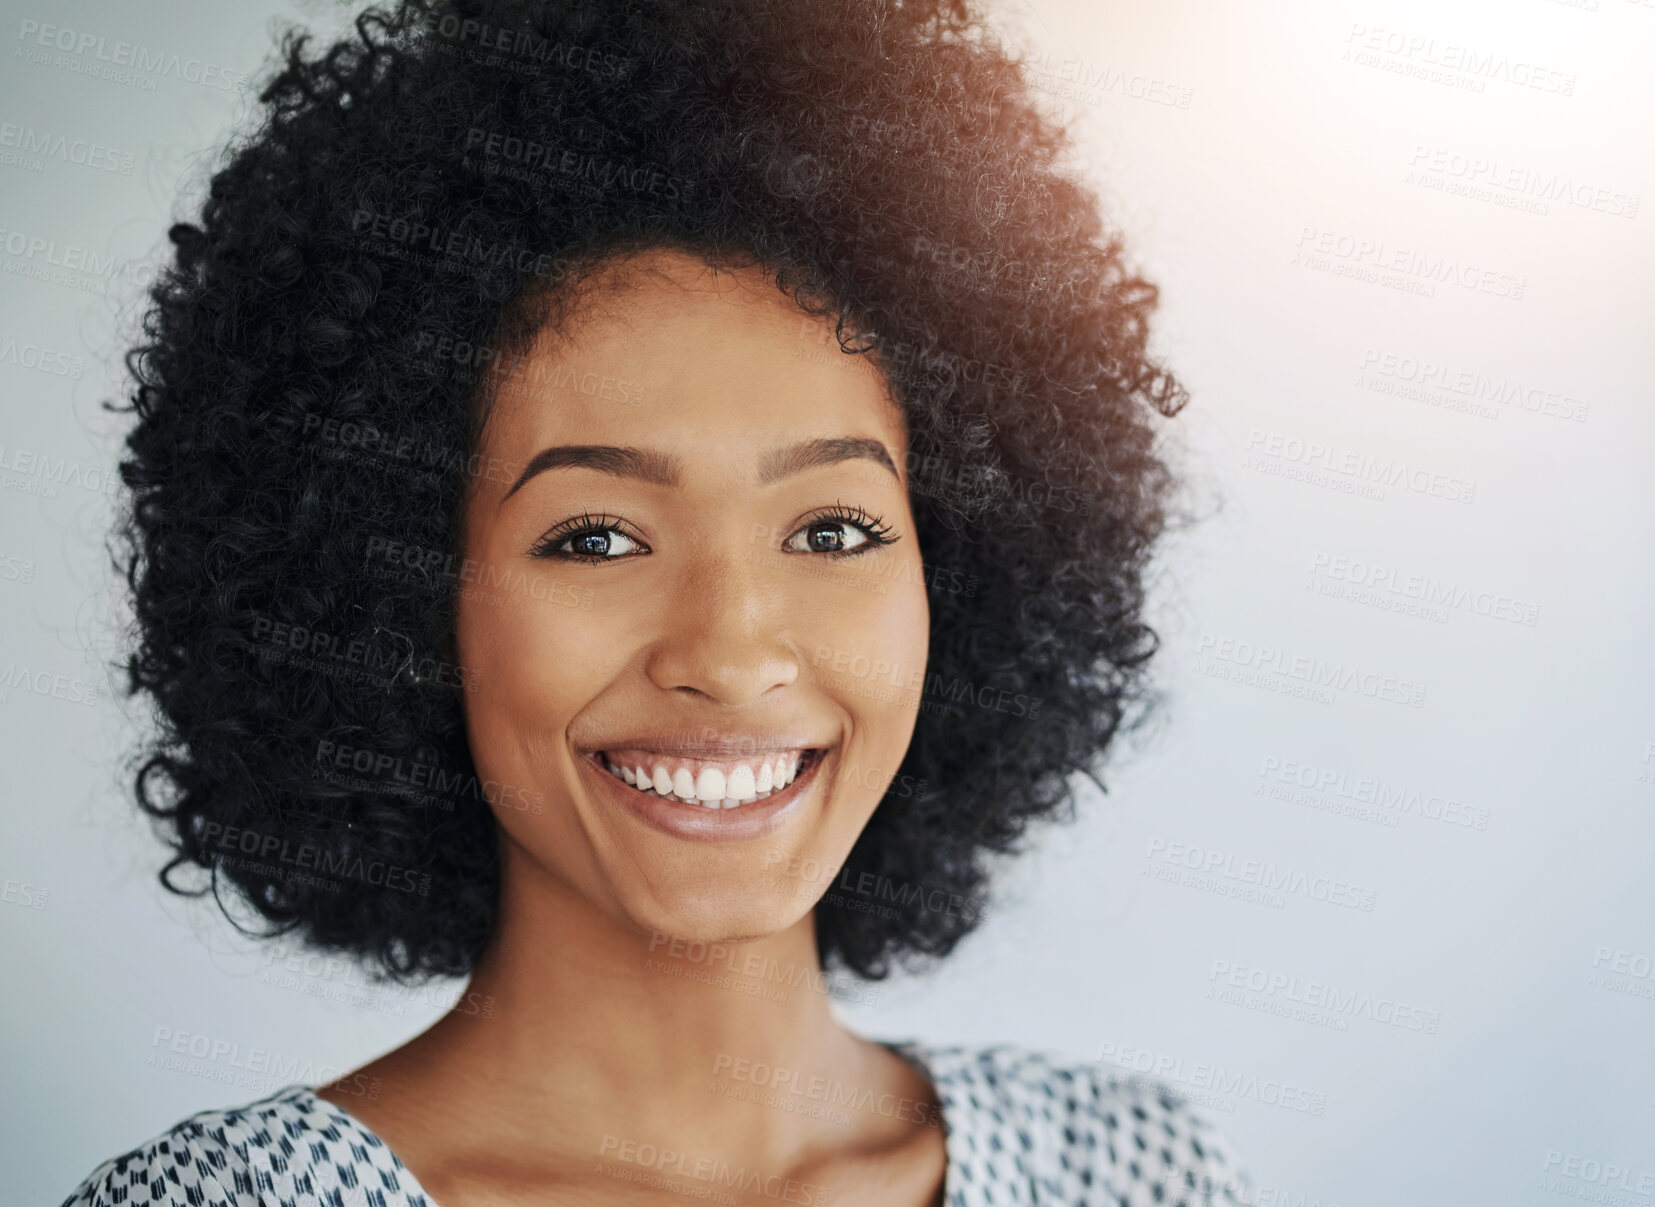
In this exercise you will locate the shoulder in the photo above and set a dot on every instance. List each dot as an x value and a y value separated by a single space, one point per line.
1076 1133
272 1151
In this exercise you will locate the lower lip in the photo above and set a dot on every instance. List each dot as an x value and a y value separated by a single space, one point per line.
697 823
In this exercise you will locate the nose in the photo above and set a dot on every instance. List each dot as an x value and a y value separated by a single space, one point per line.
725 637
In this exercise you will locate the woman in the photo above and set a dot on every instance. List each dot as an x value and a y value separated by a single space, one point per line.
634 504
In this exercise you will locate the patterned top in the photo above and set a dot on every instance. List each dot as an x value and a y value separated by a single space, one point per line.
1020 1128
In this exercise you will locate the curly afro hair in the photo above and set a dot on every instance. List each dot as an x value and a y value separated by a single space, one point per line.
309 386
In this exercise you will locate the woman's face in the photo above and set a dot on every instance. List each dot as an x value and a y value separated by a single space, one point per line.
693 563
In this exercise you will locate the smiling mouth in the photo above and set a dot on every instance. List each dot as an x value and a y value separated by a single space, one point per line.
707 783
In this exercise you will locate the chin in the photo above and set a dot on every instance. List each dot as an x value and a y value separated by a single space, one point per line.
719 915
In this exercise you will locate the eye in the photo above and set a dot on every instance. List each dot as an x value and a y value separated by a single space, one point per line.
840 532
826 536
588 539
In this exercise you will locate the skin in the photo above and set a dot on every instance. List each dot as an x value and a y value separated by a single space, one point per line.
591 1020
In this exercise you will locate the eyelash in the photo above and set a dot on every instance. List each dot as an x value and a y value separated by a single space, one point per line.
584 524
873 527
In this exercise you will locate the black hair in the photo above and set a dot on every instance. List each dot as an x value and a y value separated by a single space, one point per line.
306 396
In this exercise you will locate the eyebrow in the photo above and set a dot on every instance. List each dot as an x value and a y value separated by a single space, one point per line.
663 469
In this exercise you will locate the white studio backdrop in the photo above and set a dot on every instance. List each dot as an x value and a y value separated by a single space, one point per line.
1405 255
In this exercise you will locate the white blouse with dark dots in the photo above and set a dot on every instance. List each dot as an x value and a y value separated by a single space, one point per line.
1021 1128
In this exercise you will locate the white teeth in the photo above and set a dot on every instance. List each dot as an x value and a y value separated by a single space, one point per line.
712 787
709 786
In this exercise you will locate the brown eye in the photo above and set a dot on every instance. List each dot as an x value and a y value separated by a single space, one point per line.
588 539
597 543
840 531
826 536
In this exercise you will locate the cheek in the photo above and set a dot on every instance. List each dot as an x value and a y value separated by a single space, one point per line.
540 650
869 655
904 630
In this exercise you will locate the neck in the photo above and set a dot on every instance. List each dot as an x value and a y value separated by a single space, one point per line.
572 1016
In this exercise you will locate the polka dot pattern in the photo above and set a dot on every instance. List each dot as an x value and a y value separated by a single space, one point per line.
1027 1128
1022 1128
291 1149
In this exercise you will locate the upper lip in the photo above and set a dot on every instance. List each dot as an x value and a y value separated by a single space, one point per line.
713 746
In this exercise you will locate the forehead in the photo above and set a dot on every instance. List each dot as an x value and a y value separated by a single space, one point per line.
662 347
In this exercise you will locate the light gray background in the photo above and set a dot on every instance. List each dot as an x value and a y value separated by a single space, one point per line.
1283 120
